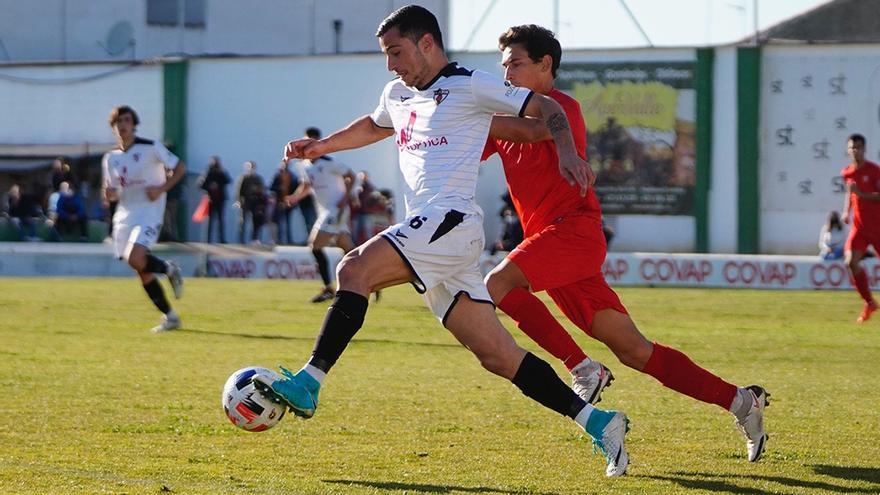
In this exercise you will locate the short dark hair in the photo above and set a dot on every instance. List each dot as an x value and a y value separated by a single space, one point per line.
856 138
413 22
122 110
313 132
538 41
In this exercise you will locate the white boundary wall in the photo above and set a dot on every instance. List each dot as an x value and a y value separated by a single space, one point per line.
812 99
620 269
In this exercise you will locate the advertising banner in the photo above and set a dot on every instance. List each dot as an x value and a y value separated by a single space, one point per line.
641 126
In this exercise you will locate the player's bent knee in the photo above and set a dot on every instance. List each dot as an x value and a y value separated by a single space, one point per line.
493 362
350 270
498 285
635 356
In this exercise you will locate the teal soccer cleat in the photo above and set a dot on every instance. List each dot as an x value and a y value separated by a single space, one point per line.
611 442
298 391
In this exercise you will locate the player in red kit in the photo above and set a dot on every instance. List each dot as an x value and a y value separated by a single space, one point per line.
863 199
564 250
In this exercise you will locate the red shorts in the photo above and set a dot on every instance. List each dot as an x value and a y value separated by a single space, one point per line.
565 259
859 240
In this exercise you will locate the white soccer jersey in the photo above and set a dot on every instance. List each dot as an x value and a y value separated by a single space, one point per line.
327 178
130 172
441 131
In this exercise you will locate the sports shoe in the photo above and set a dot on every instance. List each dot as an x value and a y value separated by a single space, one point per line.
324 295
612 443
298 391
168 323
589 378
176 279
867 311
752 425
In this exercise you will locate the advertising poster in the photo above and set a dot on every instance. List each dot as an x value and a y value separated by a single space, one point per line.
641 142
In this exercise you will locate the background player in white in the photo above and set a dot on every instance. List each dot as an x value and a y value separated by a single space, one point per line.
440 114
331 184
134 174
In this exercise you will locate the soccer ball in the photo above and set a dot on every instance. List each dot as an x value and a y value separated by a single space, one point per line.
245 406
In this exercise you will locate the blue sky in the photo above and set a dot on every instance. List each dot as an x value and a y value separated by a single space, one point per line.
606 23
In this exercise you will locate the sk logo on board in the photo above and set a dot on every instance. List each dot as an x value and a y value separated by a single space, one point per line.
440 95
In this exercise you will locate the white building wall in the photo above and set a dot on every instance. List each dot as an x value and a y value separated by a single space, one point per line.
44 30
723 186
69 104
812 99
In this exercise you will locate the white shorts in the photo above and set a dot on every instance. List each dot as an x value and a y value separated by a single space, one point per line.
126 236
333 221
442 248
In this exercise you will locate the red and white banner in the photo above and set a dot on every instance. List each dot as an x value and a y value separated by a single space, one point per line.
282 263
724 271
743 271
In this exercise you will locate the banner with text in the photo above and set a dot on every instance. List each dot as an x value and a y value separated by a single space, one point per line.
641 123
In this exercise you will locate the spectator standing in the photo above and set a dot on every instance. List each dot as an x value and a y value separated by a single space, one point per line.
61 172
250 191
283 185
214 184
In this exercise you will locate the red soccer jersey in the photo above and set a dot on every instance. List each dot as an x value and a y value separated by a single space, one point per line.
539 193
866 213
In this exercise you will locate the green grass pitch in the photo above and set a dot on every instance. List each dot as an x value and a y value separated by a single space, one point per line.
94 403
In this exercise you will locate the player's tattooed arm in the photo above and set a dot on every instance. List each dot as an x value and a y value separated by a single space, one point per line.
557 123
518 130
572 167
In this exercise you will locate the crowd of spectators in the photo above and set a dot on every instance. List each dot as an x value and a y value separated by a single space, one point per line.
55 206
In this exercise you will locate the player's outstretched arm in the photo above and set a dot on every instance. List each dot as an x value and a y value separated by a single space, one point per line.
359 133
518 130
572 167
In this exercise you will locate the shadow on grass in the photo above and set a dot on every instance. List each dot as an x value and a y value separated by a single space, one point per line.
721 483
308 339
849 473
425 488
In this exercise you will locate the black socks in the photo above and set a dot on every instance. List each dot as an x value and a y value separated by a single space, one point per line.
323 265
157 295
155 265
537 380
344 318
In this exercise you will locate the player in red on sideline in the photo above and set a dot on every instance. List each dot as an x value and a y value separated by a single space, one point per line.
564 250
863 199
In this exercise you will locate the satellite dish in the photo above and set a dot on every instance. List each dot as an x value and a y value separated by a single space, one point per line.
119 38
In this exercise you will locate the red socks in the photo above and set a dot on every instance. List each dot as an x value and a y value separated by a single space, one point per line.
676 371
535 320
860 280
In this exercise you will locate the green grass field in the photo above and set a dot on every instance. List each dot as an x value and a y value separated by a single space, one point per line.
94 403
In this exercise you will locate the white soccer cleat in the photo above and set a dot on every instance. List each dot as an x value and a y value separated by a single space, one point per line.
167 324
752 425
612 445
176 279
589 378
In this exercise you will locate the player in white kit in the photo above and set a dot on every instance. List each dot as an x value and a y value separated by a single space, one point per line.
134 174
331 184
440 115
